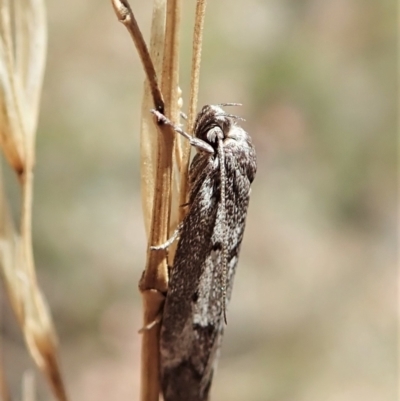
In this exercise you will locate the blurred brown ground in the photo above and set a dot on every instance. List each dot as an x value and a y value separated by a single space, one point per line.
313 315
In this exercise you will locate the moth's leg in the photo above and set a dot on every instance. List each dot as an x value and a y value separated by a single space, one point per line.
196 142
169 241
151 324
158 318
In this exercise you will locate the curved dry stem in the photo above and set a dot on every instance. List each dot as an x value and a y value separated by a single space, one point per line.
125 16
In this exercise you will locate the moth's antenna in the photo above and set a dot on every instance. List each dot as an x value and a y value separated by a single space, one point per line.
221 156
229 104
235 117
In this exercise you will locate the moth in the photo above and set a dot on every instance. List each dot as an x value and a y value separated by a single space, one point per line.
210 235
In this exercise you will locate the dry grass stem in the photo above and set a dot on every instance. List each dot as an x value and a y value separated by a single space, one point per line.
172 96
23 41
194 92
148 131
156 274
154 280
156 263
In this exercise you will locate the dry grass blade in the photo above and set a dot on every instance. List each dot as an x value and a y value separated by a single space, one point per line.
23 53
22 59
27 301
11 130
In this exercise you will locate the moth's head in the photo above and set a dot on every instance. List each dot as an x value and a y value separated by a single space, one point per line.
213 122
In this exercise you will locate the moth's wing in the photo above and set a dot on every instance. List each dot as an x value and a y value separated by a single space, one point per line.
192 326
208 317
185 346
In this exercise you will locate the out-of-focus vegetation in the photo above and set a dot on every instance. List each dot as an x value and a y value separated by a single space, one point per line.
313 315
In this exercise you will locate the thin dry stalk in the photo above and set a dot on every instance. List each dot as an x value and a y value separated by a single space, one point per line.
148 130
194 93
156 268
154 280
22 59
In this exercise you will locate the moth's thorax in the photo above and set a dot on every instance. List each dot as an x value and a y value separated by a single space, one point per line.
213 122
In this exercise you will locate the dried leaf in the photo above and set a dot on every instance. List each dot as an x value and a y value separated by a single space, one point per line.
27 301
22 61
22 56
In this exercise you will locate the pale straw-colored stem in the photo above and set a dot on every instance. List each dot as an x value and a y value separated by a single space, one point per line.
194 93
156 272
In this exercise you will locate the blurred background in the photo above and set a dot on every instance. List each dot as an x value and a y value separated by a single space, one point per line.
313 314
